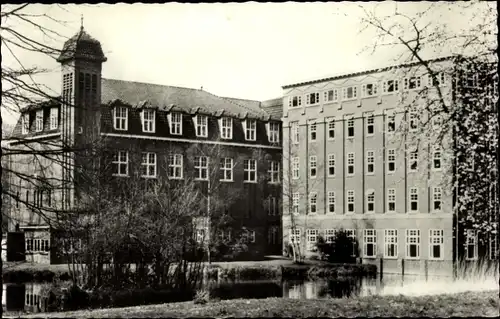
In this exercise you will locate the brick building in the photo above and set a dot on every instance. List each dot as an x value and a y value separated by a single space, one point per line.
152 129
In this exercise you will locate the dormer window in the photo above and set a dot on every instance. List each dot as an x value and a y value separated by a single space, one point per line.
226 128
295 101
349 93
412 83
120 118
390 86
25 123
370 89
39 121
312 98
201 125
54 118
250 130
148 120
274 132
175 120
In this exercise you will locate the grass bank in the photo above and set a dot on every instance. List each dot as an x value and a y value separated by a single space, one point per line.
469 304
25 272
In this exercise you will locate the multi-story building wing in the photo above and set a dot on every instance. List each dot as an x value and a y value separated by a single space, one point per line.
152 130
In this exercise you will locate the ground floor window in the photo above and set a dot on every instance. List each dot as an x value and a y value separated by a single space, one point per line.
273 235
37 245
436 242
329 235
391 243
295 236
351 233
413 243
370 243
312 238
471 244
494 247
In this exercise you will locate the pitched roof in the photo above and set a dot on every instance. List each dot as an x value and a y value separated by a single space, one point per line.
274 107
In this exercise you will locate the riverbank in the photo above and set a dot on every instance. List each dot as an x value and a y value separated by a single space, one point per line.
469 304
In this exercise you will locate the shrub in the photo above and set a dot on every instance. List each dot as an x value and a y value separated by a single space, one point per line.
202 296
340 250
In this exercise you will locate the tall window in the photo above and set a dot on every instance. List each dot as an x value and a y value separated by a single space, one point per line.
226 167
329 235
250 129
471 244
369 89
120 118
313 203
273 235
295 235
295 168
391 243
54 118
272 208
370 201
295 132
436 242
312 238
413 243
391 160
331 129
413 122
312 98
201 167
175 123
250 170
148 164
350 164
25 123
148 120
175 166
313 166
370 125
370 162
436 198
120 162
390 86
436 159
330 95
351 233
331 202
350 201
391 200
493 247
274 171
331 165
391 123
274 132
414 199
369 243
350 128
312 132
349 93
201 126
413 162
226 128
295 203
39 121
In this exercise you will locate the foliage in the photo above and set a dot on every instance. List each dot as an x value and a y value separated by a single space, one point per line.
340 250
202 297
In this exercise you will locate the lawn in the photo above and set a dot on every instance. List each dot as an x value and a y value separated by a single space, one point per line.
469 304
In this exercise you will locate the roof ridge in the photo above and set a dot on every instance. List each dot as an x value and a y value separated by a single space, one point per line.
230 101
155 84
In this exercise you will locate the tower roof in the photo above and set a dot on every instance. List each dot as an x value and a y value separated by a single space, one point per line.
82 46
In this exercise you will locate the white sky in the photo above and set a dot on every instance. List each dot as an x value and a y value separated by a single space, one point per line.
244 50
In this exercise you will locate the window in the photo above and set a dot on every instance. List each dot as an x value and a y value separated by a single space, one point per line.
201 167
331 165
295 203
25 124
471 244
436 242
413 243
370 126
391 123
312 98
391 160
313 166
412 83
350 201
274 171
350 164
437 121
148 120
226 167
439 80
436 198
413 162
295 168
370 243
349 93
39 121
148 164
313 203
250 170
250 129
390 86
251 236
413 121
350 128
493 247
331 202
330 235
331 129
436 159
54 118
294 101
370 162
295 235
274 132
369 89
370 201
226 124
312 132
413 199
273 235
201 125
121 118
331 95
272 206
175 162
224 235
120 162
312 238
295 131
391 200
391 243
351 233
175 123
